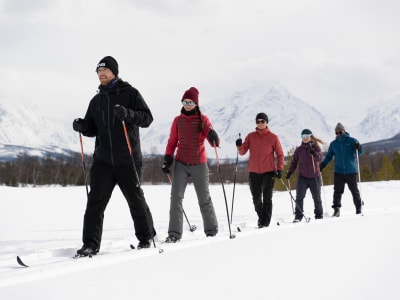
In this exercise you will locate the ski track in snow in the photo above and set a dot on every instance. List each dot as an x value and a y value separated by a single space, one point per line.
48 245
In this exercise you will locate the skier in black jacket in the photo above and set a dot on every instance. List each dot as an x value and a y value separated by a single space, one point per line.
116 101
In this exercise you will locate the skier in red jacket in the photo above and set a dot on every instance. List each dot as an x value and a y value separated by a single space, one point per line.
265 163
188 133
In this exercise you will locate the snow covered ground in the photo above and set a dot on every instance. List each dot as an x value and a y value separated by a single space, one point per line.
350 257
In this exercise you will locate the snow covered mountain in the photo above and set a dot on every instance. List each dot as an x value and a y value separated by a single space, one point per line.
24 130
382 121
236 114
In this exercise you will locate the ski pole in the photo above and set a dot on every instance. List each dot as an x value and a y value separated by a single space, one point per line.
294 200
137 178
191 227
234 182
131 154
290 192
359 180
83 165
231 236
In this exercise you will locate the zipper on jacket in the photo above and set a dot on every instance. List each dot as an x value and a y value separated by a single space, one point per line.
108 129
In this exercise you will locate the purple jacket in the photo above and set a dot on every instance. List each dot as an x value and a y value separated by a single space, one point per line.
308 164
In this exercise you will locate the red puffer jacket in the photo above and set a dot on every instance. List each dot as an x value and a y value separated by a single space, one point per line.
263 146
186 136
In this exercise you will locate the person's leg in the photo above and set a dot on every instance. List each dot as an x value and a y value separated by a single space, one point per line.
140 212
315 188
200 177
179 183
301 190
267 189
102 183
338 189
255 183
351 180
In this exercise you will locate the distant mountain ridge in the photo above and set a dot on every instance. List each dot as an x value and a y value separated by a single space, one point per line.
24 130
382 121
236 114
387 145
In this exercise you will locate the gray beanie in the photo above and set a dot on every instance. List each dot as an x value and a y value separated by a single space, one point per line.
339 127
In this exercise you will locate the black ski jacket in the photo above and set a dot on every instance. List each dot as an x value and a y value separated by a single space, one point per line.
110 145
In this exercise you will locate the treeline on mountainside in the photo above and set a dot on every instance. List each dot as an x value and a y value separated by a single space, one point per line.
28 170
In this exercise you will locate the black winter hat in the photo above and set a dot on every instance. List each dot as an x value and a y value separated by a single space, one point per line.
108 62
306 131
262 116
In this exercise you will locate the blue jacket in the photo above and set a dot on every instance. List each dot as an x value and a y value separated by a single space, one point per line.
342 148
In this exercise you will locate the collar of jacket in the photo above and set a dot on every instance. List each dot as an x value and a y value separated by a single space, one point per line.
190 112
306 144
343 136
262 131
112 87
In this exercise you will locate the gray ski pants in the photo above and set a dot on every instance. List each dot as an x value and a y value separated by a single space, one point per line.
200 177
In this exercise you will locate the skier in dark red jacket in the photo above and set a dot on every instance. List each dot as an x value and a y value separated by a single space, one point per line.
188 133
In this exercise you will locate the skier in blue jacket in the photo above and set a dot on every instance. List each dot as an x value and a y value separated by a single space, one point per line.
344 148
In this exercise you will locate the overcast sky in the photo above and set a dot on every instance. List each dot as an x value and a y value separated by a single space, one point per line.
338 55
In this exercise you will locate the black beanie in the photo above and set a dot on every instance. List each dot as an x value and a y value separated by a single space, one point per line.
306 131
262 116
108 62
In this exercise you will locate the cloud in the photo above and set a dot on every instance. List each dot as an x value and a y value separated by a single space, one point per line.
332 54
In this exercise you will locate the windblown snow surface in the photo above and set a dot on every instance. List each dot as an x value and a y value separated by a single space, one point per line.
350 257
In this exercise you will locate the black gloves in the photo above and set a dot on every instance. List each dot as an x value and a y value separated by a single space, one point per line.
239 142
79 125
288 174
121 112
167 163
357 146
213 138
321 166
278 174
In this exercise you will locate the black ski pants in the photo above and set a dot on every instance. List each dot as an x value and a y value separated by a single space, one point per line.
103 179
339 182
261 187
314 184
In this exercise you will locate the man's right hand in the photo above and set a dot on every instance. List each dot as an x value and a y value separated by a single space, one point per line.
79 125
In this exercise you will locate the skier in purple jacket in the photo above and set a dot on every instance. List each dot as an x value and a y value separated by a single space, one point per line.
307 156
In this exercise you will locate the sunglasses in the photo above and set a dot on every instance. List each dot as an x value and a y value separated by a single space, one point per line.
188 103
304 136
260 121
339 132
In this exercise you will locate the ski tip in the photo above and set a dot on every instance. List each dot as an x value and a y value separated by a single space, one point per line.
21 263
